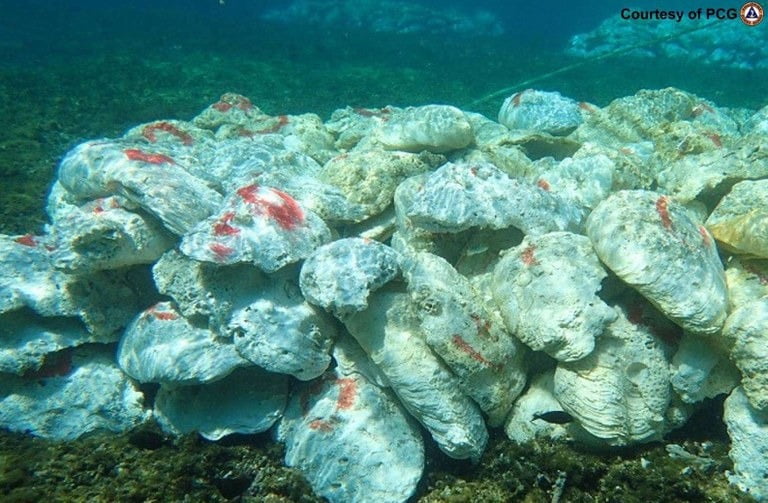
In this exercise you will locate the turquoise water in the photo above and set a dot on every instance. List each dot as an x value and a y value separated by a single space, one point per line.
86 70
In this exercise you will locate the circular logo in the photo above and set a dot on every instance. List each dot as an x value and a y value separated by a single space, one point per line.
751 13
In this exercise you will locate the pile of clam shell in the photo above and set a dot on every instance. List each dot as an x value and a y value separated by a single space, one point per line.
399 275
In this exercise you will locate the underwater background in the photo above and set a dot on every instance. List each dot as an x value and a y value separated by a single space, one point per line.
75 70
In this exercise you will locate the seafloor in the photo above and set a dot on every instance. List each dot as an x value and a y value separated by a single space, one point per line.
62 83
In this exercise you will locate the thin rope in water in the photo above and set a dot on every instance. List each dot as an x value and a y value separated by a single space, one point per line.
617 52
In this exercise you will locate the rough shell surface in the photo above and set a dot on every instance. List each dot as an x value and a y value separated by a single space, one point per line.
148 177
704 174
339 276
352 441
436 128
546 290
700 370
260 225
29 278
93 394
747 328
162 346
351 125
101 235
539 398
636 118
105 300
232 108
247 401
748 431
468 337
652 244
26 340
582 181
280 332
327 200
549 112
389 332
740 220
369 178
456 197
747 281
266 317
233 163
621 391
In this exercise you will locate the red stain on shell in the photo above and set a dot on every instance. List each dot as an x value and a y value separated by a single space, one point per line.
221 106
287 213
232 100
543 184
347 393
160 314
164 315
26 240
320 425
135 154
222 227
705 235
662 208
464 346
527 256
282 120
221 251
149 131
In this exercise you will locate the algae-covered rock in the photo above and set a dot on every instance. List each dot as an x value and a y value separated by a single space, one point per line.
369 178
740 221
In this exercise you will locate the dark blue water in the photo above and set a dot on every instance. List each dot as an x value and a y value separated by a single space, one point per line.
36 23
